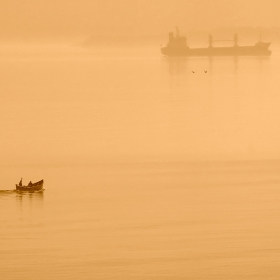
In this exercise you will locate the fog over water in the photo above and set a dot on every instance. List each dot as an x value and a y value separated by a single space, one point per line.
154 167
33 20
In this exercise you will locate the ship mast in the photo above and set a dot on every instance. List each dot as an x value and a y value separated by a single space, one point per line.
177 32
210 38
235 38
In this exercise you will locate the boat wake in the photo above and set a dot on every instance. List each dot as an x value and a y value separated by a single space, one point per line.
16 191
29 191
7 191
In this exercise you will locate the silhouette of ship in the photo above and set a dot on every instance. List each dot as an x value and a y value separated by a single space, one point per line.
31 187
177 46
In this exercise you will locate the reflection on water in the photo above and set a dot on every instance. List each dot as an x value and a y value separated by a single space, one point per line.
176 65
23 199
30 196
207 65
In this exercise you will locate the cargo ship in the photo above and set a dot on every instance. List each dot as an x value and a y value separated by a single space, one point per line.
177 46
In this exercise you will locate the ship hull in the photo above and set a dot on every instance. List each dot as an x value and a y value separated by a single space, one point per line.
214 51
38 186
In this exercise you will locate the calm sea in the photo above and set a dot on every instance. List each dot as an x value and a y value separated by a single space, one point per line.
151 171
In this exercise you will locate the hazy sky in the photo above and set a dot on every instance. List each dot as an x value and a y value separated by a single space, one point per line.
55 18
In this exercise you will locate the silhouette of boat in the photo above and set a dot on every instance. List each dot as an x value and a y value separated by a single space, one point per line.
30 187
177 46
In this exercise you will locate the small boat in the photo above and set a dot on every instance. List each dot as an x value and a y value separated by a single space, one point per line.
31 187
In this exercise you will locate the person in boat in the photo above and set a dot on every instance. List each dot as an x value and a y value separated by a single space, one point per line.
20 182
30 184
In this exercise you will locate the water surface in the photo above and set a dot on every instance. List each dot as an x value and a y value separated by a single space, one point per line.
151 171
